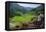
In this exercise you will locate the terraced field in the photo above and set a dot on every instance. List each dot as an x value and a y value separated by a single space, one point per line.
19 20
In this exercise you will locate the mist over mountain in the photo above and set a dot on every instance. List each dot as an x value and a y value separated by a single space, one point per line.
16 9
15 6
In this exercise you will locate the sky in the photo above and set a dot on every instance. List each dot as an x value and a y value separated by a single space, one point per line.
29 5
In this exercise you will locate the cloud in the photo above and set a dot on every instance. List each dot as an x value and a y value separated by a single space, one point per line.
29 5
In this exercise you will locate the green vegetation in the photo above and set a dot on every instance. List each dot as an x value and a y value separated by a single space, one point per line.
22 18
